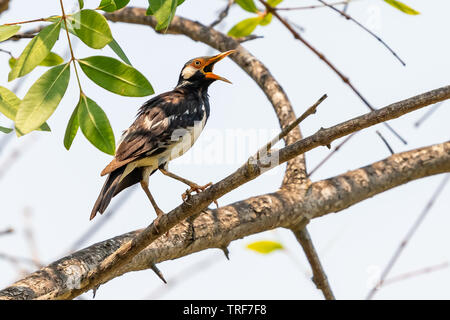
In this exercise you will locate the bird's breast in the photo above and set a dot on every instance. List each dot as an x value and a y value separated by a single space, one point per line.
184 137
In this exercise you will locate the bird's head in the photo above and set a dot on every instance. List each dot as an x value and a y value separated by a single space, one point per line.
198 72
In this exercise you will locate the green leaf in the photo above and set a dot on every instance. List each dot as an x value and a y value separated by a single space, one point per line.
36 51
107 5
52 59
42 99
274 3
91 27
121 3
247 5
266 19
72 129
180 2
9 103
7 32
118 50
12 61
95 125
163 10
265 247
44 127
245 27
81 4
5 130
402 7
112 5
116 76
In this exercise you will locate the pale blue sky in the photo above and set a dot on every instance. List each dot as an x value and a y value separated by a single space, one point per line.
60 187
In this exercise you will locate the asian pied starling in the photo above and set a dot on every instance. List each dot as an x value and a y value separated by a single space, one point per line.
166 126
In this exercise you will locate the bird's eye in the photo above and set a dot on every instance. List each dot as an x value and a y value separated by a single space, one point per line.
197 63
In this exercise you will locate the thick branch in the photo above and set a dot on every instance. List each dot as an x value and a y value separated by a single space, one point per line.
4 4
296 169
86 269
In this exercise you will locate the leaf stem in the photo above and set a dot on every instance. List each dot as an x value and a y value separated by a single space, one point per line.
27 21
72 59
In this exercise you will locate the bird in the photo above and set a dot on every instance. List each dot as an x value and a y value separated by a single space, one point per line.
165 127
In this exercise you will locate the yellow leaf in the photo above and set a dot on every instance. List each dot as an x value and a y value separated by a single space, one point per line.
265 246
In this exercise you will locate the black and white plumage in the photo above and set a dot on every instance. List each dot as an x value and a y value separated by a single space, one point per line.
166 126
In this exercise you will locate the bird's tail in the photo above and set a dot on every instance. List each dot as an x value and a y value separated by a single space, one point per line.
108 191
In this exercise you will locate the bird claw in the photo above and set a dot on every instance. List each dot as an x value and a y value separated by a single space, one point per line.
194 188
156 221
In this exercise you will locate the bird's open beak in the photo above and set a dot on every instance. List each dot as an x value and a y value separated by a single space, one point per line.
208 68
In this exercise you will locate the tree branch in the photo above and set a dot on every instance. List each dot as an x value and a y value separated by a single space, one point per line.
346 16
4 4
319 277
86 269
222 15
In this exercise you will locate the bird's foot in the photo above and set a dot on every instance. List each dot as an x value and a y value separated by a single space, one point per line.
159 214
196 188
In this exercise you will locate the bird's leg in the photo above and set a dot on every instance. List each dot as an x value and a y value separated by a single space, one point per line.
159 212
193 186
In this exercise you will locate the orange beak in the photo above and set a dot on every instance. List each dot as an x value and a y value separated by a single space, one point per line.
208 68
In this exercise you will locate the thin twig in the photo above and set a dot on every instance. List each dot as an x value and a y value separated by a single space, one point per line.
320 55
345 15
6 231
415 273
336 149
27 21
248 38
319 276
295 25
408 237
429 112
310 7
64 17
385 142
7 52
311 110
223 14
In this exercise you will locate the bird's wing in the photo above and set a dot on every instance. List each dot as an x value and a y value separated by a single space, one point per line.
152 130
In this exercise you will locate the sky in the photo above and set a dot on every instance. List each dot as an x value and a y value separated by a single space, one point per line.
58 188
